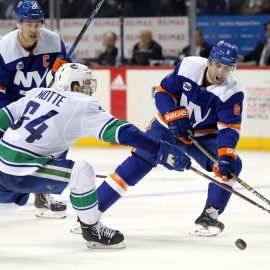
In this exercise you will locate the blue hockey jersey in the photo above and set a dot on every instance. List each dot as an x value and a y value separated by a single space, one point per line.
212 109
21 70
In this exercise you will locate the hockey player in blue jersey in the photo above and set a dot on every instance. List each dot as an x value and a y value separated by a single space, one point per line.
39 127
26 56
203 96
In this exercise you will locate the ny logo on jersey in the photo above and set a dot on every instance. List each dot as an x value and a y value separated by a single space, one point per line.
195 109
30 78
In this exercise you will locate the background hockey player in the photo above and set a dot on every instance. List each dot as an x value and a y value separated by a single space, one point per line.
203 96
41 126
26 56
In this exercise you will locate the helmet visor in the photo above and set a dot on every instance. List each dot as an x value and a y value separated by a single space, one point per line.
89 86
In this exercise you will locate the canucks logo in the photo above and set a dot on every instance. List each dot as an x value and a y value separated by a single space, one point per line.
20 65
74 66
187 86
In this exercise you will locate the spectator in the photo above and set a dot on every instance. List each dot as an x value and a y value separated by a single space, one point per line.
251 7
73 8
111 55
7 9
203 48
146 49
261 53
235 7
171 8
216 7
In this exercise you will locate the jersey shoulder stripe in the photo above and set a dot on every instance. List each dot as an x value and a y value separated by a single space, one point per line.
227 89
49 42
193 67
11 49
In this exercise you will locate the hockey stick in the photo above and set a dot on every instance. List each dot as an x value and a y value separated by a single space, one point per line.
220 185
77 40
228 189
235 177
170 160
100 176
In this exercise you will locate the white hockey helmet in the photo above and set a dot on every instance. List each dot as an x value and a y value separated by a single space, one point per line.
75 77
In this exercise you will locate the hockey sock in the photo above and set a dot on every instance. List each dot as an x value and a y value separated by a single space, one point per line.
86 206
110 191
129 173
218 197
83 194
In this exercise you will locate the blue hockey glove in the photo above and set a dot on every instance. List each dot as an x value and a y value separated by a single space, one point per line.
173 157
179 123
226 162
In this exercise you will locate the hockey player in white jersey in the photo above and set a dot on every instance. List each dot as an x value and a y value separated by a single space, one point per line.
47 121
26 56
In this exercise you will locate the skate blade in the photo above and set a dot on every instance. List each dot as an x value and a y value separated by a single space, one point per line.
95 245
76 230
46 213
201 231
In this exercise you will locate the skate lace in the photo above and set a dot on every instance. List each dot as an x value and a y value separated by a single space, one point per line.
104 231
49 200
212 212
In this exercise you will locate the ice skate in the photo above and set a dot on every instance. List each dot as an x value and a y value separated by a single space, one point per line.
77 228
47 207
207 223
98 236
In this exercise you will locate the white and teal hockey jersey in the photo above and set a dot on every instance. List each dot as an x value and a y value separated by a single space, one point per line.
46 122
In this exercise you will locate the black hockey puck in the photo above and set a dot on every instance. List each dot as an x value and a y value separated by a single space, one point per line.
241 244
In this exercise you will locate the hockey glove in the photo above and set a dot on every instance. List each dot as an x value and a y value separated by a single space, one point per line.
226 163
178 123
58 63
173 157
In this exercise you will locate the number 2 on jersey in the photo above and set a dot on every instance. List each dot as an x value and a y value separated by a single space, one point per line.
37 126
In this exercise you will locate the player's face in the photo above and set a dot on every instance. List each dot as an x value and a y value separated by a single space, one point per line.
29 32
217 73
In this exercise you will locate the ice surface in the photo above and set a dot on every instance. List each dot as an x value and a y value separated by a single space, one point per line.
155 217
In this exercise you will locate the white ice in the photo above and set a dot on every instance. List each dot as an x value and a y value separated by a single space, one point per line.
155 217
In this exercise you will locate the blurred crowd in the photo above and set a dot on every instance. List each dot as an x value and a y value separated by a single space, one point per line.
148 51
142 8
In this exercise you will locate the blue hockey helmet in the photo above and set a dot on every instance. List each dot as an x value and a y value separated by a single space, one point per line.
29 9
224 53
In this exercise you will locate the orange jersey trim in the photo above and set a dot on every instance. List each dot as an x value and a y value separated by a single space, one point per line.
160 89
227 151
119 181
150 124
234 126
176 115
218 174
208 130
2 89
162 118
182 139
